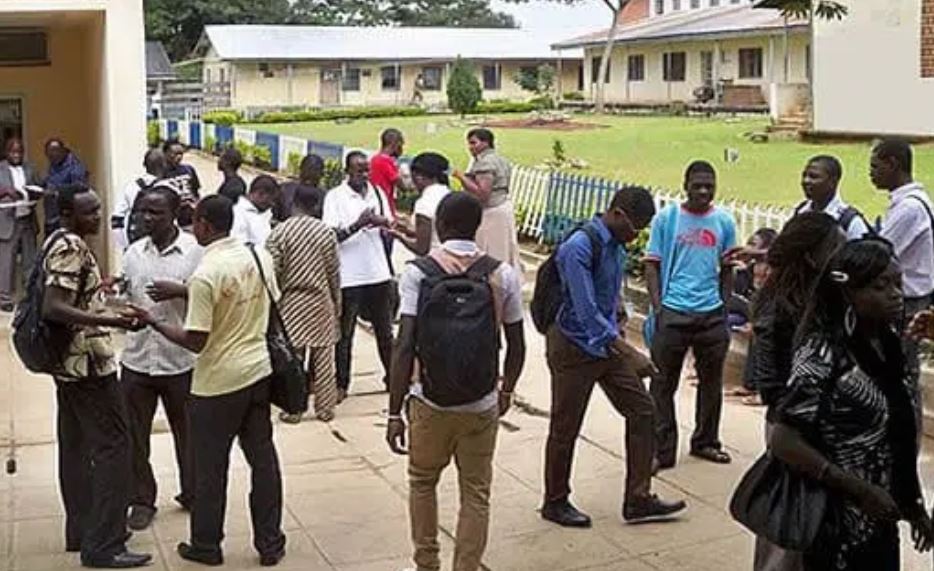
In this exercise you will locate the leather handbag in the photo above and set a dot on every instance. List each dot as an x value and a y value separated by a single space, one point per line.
289 383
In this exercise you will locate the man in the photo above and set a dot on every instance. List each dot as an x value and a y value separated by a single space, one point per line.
93 439
253 212
909 226
358 211
465 431
65 169
820 182
183 179
310 173
121 222
384 168
228 307
18 229
585 348
688 281
229 164
153 368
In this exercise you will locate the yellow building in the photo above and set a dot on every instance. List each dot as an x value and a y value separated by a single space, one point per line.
279 66
75 69
750 57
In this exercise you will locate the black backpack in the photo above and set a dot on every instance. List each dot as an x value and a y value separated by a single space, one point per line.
456 336
40 344
846 217
548 297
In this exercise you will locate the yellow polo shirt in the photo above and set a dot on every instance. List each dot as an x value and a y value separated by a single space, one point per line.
227 300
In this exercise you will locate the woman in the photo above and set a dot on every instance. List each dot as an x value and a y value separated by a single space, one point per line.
429 176
310 173
304 250
488 180
229 164
847 418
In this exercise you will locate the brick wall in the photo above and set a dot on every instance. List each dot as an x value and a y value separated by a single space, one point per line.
927 38
635 11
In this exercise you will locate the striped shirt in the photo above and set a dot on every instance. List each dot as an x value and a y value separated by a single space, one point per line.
304 251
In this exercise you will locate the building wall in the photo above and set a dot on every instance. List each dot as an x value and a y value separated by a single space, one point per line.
250 88
884 36
660 7
93 94
654 89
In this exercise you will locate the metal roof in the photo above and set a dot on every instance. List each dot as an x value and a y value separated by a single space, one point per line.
158 66
722 22
278 43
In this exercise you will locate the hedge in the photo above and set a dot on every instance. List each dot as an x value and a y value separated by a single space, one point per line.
333 114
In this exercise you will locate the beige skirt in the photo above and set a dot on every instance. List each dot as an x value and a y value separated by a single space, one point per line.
497 235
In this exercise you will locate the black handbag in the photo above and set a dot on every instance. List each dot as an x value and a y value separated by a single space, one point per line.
289 381
784 506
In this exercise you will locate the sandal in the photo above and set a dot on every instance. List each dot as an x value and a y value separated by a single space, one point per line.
753 400
741 392
712 454
290 418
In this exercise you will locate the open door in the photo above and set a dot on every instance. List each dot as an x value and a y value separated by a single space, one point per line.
11 120
330 86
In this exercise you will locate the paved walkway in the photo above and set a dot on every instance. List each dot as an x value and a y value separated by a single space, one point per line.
345 492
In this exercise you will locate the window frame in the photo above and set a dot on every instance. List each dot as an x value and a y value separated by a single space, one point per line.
630 67
757 69
497 83
595 69
396 76
346 74
428 87
668 67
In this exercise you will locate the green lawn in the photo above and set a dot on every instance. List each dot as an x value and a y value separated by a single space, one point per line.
646 150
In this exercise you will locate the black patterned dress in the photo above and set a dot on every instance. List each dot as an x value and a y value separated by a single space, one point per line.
853 432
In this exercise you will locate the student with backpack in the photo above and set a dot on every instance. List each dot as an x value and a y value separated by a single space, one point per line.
125 219
454 303
586 347
820 182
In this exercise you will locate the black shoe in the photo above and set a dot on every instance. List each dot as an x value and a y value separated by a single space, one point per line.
565 515
7 307
125 560
712 454
140 517
651 508
272 559
204 557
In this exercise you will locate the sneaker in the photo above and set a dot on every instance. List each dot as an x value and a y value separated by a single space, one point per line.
652 508
140 517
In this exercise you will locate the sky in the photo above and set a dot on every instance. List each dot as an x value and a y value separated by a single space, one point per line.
557 21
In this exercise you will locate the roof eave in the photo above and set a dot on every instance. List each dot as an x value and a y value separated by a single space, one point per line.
723 35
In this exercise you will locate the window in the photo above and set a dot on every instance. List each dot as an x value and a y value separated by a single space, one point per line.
207 75
23 46
265 71
223 74
659 7
714 3
695 4
675 5
350 79
595 70
750 63
636 68
674 66
390 78
431 78
492 77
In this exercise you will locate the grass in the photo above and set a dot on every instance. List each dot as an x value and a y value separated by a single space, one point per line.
651 151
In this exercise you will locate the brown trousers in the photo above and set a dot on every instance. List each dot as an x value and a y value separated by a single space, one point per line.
573 376
434 438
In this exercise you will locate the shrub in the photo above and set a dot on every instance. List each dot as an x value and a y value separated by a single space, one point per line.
493 108
210 145
153 137
294 164
635 251
261 156
246 150
333 114
544 102
225 117
333 174
574 96
464 92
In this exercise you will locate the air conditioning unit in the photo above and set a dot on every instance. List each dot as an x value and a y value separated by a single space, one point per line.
24 47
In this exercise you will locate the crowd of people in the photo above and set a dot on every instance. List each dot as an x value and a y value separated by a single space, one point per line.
835 306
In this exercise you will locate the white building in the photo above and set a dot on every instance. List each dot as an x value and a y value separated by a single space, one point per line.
751 57
75 69
874 69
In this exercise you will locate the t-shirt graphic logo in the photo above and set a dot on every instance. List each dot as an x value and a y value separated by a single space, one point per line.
701 237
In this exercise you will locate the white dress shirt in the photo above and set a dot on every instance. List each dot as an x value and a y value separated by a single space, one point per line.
147 351
250 226
907 225
363 255
19 184
124 206
835 209
427 206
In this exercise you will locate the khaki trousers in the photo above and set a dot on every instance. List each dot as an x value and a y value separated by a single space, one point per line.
434 438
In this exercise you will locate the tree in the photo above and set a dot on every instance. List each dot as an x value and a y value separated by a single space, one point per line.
455 13
539 80
807 9
464 92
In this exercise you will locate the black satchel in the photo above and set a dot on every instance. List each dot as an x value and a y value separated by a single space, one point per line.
784 506
289 381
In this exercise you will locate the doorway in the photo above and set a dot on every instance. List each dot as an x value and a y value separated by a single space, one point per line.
11 121
706 61
330 86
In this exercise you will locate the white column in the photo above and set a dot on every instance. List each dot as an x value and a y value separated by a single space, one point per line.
289 74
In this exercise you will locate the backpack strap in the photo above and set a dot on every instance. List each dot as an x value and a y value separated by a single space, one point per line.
926 209
800 207
141 183
482 268
428 266
596 246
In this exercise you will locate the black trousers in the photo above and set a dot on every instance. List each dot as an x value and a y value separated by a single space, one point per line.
375 302
94 465
214 423
708 337
143 394
913 306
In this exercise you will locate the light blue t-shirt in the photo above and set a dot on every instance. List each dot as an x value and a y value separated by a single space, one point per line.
690 248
